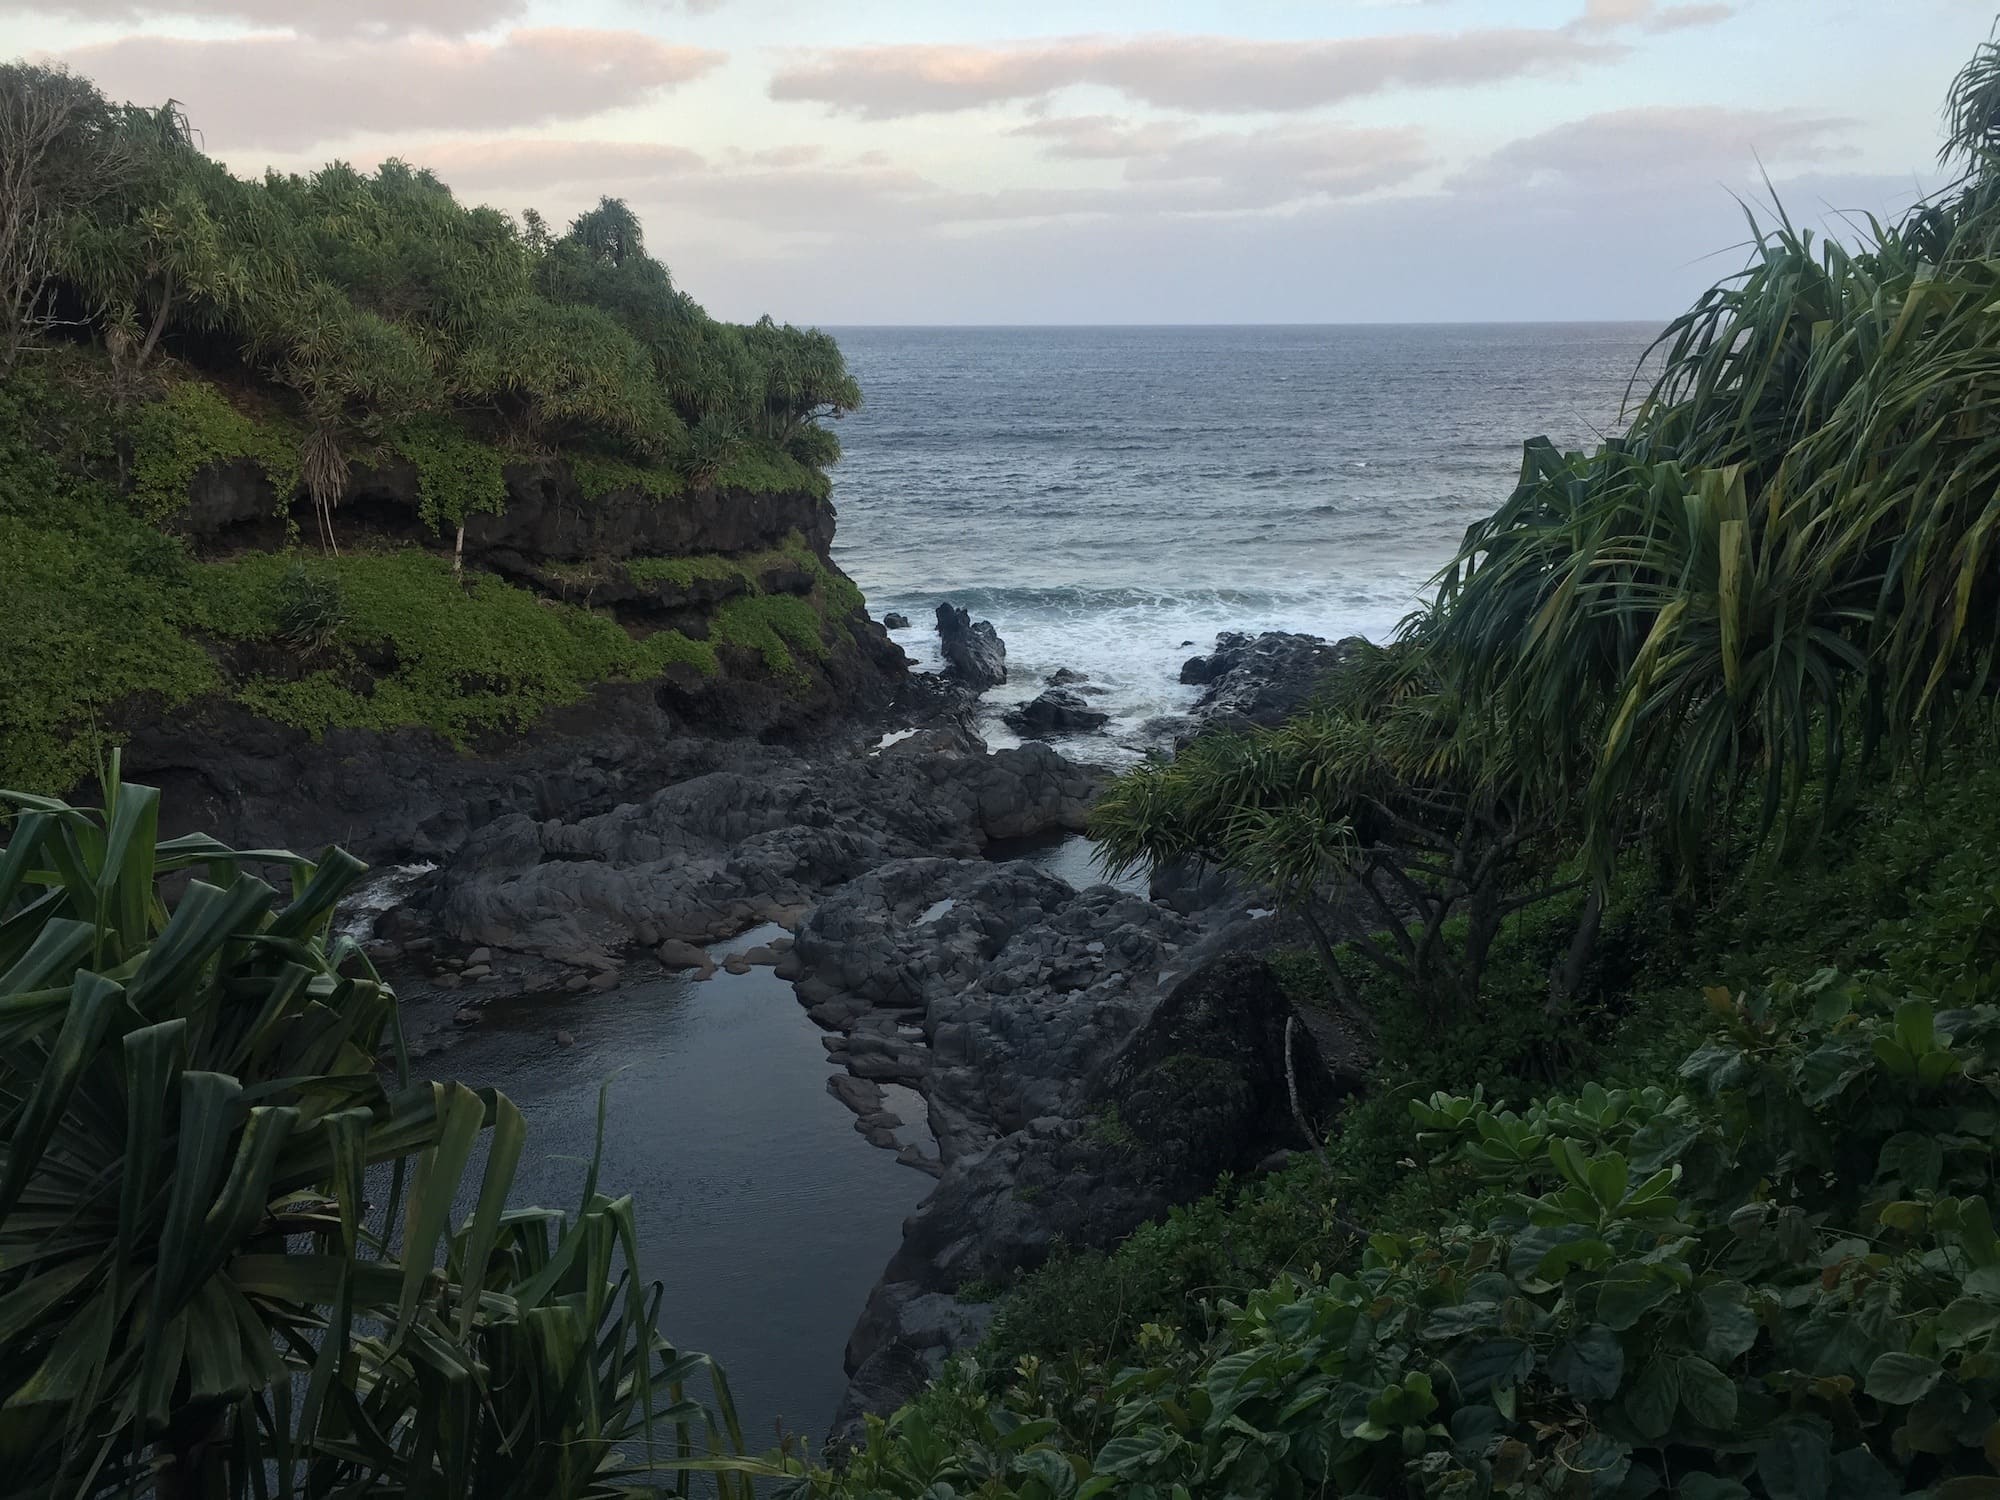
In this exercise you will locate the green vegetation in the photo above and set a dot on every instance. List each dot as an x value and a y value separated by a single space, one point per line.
371 305
1777 1275
229 1253
464 654
164 319
117 612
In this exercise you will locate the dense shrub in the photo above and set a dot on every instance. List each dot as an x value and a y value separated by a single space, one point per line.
1778 1276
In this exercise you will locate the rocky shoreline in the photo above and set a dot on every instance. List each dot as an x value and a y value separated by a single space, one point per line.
1084 1058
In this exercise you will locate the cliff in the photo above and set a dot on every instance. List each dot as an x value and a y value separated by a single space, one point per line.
404 682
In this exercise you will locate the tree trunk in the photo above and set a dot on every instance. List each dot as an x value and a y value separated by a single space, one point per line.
458 550
159 325
1343 992
1566 977
1292 1088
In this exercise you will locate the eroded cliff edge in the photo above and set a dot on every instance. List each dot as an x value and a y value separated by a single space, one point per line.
739 624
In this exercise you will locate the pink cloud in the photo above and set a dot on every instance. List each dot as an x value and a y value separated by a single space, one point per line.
323 17
1213 73
269 91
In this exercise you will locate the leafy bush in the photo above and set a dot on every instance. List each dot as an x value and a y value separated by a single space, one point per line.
190 427
457 474
459 654
376 301
1780 1279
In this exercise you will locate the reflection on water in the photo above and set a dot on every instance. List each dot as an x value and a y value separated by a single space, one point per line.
1067 856
766 1216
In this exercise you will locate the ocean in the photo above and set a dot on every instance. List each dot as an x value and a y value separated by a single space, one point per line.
1112 498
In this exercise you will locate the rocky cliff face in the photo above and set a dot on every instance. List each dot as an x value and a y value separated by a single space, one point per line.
410 793
548 516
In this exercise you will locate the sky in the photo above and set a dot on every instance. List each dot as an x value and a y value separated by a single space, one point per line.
1118 161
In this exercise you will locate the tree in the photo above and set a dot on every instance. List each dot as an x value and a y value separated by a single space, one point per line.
59 154
1381 816
227 1254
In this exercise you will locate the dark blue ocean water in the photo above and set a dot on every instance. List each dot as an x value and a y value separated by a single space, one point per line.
1107 495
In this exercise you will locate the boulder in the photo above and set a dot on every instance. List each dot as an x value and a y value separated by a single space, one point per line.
1064 677
1057 711
1199 1084
1263 680
895 621
974 654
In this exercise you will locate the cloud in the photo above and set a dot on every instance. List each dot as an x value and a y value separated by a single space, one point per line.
1643 150
1206 73
448 18
1168 172
269 91
1277 165
472 167
1649 15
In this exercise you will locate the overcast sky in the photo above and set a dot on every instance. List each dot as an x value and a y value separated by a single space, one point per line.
1152 161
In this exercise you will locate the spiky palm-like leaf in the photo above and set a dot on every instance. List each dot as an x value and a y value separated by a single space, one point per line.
227 1251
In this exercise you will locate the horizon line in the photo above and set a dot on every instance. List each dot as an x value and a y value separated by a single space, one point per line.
1266 323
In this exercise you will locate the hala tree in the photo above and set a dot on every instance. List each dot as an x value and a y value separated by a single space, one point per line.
1384 817
227 1250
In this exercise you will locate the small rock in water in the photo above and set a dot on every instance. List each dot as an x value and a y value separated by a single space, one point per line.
895 621
1064 677
447 981
576 982
479 956
466 1017
564 1039
736 963
605 981
1059 710
974 654
476 972
678 954
761 956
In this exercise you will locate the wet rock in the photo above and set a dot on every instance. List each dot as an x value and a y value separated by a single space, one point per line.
474 972
858 1094
576 983
763 956
679 955
1057 711
1264 679
895 621
564 1038
466 1017
1169 1094
1064 677
447 981
736 963
479 956
604 981
707 858
974 654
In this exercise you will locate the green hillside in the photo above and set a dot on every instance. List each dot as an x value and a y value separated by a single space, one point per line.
344 346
